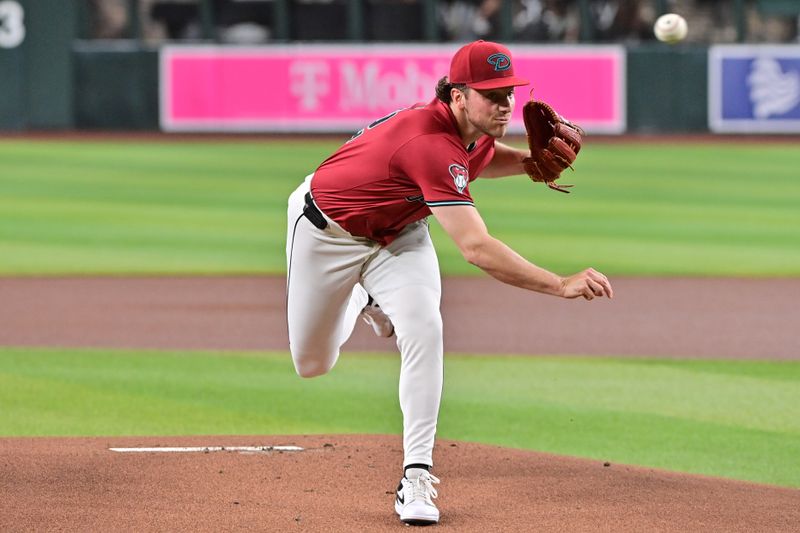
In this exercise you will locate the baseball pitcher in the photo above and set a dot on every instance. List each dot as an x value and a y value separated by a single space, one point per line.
358 243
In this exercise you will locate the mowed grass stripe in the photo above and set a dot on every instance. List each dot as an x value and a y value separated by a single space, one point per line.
219 207
735 419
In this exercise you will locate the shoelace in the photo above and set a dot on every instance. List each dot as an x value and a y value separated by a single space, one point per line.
423 486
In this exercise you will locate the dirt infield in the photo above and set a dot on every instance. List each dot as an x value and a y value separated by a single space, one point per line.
345 483
675 317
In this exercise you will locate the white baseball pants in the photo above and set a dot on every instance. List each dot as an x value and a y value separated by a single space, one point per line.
329 275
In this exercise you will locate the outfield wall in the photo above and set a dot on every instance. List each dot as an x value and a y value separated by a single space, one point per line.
36 71
119 89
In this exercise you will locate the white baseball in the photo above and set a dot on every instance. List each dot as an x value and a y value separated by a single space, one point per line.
670 28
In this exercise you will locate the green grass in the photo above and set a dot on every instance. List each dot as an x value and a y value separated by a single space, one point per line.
726 418
219 208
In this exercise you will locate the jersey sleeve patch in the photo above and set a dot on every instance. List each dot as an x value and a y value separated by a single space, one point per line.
460 177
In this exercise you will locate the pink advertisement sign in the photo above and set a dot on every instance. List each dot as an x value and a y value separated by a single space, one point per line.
341 88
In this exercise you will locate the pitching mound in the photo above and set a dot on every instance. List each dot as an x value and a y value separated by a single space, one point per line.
346 483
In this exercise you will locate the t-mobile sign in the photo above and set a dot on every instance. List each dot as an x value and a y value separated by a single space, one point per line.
341 88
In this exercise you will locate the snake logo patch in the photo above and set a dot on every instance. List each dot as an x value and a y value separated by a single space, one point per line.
460 177
499 61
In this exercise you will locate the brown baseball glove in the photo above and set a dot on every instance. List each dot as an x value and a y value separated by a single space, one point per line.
554 143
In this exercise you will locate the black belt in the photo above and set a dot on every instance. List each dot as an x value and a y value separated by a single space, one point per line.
312 213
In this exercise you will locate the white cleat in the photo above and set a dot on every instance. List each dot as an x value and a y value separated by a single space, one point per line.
375 317
414 501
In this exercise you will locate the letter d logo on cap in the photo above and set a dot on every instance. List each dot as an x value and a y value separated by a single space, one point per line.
499 61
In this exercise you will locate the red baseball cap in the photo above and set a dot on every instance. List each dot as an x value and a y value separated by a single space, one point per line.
484 65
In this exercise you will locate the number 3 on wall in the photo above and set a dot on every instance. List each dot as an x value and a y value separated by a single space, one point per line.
12 29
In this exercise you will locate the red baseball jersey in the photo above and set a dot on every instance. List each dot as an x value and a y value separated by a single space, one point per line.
388 174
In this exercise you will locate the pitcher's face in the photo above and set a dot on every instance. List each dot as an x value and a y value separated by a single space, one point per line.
489 110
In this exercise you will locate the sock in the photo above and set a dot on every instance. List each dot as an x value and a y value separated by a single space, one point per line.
413 471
